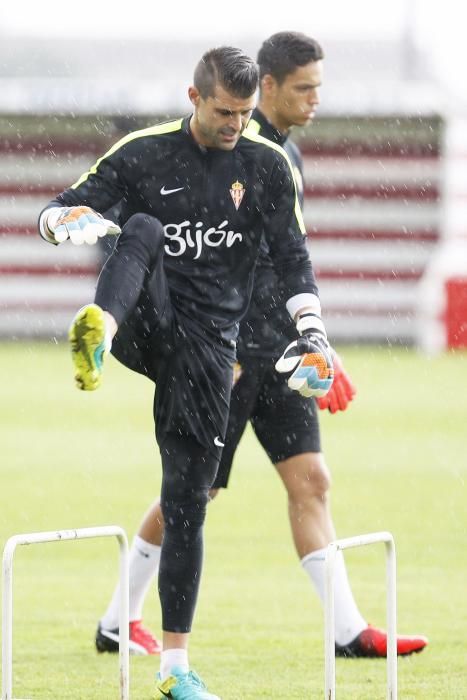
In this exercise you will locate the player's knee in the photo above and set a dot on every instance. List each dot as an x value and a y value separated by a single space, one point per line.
185 511
319 477
145 224
306 477
147 231
185 485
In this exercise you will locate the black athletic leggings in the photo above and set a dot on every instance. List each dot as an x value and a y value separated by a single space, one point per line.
188 472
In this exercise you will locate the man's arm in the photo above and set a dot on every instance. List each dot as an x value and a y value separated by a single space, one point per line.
308 359
76 213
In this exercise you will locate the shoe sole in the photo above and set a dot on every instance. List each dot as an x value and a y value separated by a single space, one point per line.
87 340
108 643
358 655
134 649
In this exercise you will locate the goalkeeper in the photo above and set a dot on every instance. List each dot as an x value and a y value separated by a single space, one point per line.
285 422
197 196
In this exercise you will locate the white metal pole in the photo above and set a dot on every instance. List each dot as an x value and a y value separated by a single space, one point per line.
124 618
329 633
7 597
7 619
391 609
391 618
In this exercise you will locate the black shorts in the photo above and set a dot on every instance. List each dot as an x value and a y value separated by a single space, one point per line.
286 423
193 381
192 373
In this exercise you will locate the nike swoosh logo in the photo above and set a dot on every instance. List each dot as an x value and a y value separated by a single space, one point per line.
217 442
164 191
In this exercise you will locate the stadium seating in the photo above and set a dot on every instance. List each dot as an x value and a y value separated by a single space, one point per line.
372 212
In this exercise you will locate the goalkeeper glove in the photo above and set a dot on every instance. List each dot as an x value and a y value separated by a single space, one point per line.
79 224
342 390
308 358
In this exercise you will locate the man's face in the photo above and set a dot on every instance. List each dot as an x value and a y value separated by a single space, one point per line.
296 99
218 121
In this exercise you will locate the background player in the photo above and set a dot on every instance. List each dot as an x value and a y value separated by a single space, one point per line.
285 423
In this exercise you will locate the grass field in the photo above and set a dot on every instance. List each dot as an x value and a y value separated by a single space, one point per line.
399 462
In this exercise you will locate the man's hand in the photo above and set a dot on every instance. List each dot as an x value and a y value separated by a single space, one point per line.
342 390
308 359
79 224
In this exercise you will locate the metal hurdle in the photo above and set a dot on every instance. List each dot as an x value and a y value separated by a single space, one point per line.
329 636
7 597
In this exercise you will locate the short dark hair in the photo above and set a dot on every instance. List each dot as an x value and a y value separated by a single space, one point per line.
283 52
229 67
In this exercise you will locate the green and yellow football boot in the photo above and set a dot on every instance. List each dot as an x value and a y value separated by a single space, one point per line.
87 340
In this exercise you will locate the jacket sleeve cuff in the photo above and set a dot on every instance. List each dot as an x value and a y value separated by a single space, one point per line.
45 230
303 302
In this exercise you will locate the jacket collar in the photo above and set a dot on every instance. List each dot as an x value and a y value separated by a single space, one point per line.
267 129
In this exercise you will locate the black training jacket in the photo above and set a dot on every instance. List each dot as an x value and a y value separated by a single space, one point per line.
215 206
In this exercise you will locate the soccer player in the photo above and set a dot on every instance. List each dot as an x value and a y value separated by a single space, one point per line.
197 195
285 423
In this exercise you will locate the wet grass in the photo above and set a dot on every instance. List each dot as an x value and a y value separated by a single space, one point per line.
398 460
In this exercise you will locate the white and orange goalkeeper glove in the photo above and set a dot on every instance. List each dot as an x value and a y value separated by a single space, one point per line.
342 390
79 224
308 359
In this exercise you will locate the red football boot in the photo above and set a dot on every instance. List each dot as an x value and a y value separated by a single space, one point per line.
141 637
372 643
142 642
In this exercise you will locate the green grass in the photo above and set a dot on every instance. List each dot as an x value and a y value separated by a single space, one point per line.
398 459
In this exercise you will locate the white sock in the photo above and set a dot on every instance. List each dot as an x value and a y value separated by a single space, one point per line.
171 658
107 341
348 620
144 563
